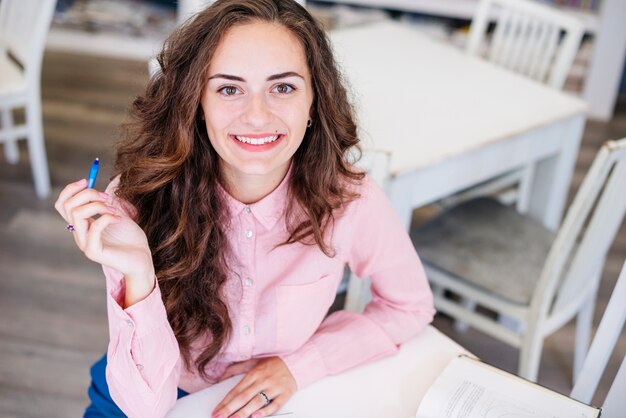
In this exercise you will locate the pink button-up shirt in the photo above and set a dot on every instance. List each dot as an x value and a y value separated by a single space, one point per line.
278 298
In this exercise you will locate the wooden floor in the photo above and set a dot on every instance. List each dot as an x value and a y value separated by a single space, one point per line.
52 305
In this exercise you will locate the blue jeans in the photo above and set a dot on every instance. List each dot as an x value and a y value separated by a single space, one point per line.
102 406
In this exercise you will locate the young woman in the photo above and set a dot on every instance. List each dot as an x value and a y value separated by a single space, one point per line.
235 208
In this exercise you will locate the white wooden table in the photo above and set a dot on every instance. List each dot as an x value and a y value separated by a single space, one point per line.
448 120
391 387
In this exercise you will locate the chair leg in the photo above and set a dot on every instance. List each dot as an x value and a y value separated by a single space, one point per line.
461 326
36 147
358 294
11 152
584 321
615 403
511 323
525 188
530 356
437 290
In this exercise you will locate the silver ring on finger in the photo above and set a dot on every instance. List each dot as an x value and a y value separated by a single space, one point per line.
266 399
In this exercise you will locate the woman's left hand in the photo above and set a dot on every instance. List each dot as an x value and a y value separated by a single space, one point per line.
270 376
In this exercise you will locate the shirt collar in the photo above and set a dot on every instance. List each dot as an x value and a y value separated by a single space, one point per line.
267 210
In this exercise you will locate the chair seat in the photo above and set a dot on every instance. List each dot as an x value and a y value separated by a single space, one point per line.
481 241
12 80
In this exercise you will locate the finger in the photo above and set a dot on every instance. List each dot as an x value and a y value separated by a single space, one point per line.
272 407
80 217
238 396
238 389
76 194
93 246
232 402
67 192
81 198
255 402
258 405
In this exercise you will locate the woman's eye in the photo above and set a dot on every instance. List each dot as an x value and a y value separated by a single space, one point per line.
228 90
284 88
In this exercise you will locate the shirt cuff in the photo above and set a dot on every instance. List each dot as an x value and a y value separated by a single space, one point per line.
306 364
144 316
149 313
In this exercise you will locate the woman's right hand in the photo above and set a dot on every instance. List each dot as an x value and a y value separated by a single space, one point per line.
113 239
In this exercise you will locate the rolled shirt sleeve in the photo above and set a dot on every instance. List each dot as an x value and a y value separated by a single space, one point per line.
143 365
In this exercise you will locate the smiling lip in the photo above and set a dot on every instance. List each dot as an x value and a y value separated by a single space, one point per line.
257 142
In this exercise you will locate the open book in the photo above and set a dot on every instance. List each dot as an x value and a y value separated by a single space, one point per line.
469 388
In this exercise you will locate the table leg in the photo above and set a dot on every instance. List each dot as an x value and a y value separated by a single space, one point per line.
553 175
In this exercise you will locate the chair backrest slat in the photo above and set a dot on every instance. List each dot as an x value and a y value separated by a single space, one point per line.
498 50
517 41
547 56
614 404
534 50
479 27
511 40
539 50
521 63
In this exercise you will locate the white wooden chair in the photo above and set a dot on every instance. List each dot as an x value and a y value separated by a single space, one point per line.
24 26
527 38
486 252
601 349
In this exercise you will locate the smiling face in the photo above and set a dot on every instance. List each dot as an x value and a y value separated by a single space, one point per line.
257 101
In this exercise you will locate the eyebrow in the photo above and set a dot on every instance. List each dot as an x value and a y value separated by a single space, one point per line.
270 78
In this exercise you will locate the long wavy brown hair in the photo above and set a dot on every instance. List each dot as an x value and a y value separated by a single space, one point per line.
169 171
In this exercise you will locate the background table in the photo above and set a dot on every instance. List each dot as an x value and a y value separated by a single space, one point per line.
448 120
391 387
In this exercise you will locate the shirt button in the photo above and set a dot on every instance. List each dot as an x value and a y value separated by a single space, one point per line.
246 330
248 282
248 233
129 322
247 209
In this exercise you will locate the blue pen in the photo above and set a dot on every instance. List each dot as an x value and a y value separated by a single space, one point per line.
93 173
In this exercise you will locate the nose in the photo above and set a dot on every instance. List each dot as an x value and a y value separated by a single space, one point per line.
257 113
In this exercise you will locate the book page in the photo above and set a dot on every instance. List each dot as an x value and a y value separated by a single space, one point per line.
468 388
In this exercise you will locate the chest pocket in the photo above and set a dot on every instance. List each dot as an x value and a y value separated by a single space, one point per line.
300 310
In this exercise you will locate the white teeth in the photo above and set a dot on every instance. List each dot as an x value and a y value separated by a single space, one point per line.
257 141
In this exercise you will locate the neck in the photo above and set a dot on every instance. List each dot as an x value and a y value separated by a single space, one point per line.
250 188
